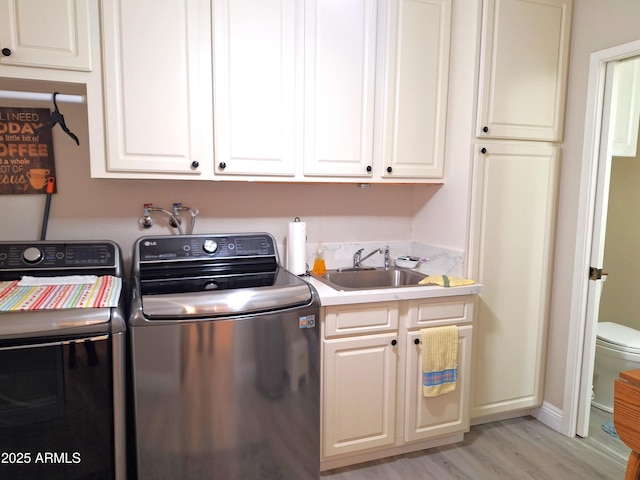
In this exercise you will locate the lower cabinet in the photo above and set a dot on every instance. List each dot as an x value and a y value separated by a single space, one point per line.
360 393
448 413
372 401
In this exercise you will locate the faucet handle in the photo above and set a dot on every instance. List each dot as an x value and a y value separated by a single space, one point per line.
356 258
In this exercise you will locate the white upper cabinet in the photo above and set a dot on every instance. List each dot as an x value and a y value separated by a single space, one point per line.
45 33
376 77
416 87
275 90
340 80
157 87
524 60
627 88
255 87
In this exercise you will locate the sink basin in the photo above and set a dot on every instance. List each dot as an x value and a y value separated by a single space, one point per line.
365 279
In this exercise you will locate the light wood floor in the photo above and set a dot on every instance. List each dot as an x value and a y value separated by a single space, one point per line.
521 449
602 440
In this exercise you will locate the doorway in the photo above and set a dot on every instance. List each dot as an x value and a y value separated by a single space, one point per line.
593 207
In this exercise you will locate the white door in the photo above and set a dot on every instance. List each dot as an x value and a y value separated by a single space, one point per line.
594 291
581 354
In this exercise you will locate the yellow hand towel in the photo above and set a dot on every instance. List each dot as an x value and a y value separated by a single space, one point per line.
439 360
445 281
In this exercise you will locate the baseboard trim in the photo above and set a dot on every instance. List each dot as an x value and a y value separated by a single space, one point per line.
498 417
550 415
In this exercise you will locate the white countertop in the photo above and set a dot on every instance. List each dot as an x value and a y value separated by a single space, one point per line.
330 296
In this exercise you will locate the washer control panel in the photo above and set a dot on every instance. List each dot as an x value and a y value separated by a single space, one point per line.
198 247
54 255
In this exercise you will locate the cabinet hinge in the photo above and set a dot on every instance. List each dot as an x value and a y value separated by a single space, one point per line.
595 273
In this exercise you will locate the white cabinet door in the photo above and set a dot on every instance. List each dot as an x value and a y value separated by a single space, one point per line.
428 417
627 104
512 234
359 393
46 33
340 69
256 84
524 61
416 88
157 81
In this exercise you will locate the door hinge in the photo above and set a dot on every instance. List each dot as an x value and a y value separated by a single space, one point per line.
595 273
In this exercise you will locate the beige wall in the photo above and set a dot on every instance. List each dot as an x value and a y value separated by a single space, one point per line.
597 25
441 219
621 255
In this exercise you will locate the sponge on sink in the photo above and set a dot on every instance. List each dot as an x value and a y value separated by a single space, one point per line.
445 281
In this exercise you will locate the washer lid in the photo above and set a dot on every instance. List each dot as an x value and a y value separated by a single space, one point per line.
619 335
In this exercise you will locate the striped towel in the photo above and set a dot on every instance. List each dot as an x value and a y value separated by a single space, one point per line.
439 360
103 292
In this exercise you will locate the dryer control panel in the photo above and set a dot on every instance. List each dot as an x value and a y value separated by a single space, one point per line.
65 257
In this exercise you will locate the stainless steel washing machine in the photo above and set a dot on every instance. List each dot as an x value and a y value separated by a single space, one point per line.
226 361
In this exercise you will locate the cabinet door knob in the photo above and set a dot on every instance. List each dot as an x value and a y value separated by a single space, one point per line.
417 341
483 150
6 52
485 129
195 164
389 169
394 342
369 168
222 165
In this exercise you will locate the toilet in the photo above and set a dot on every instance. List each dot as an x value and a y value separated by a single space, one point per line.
617 349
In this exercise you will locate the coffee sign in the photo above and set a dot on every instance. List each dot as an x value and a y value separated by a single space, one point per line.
26 158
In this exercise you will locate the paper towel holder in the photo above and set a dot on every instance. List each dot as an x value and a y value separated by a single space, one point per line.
297 219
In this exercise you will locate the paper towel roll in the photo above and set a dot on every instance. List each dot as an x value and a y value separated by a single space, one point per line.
297 248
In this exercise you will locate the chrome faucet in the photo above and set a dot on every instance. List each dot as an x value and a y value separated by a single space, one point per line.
358 258
175 220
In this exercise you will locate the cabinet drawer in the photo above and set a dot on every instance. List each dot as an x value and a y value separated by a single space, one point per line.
439 311
360 318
